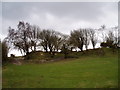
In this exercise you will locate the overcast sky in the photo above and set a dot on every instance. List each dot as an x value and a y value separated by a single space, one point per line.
60 16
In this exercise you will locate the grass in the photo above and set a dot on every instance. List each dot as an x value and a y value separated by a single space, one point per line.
83 72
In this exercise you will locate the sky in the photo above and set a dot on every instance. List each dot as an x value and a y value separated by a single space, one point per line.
59 16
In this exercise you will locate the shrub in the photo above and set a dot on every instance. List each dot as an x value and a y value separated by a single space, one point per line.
4 52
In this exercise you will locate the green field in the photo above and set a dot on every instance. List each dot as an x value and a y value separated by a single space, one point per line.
83 72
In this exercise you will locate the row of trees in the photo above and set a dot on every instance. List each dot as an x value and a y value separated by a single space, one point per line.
28 37
81 37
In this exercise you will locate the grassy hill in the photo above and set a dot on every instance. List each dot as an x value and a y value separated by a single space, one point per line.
88 70
99 52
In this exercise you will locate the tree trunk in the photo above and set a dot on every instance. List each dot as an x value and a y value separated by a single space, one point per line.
86 47
35 47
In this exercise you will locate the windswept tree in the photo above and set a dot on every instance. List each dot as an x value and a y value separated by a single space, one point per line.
112 40
93 37
51 40
86 37
59 40
34 36
14 40
44 38
21 38
77 38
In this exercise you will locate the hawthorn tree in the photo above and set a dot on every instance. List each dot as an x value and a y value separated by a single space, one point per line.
21 37
77 38
86 33
34 37
51 40
93 37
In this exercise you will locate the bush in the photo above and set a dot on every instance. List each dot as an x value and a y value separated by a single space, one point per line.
4 52
103 44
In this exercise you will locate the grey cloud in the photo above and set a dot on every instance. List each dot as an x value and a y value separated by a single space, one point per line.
13 10
66 15
77 10
0 9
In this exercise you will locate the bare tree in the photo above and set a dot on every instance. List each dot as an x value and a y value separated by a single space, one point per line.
20 38
60 39
51 40
93 37
44 38
77 38
34 36
86 37
112 40
14 40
